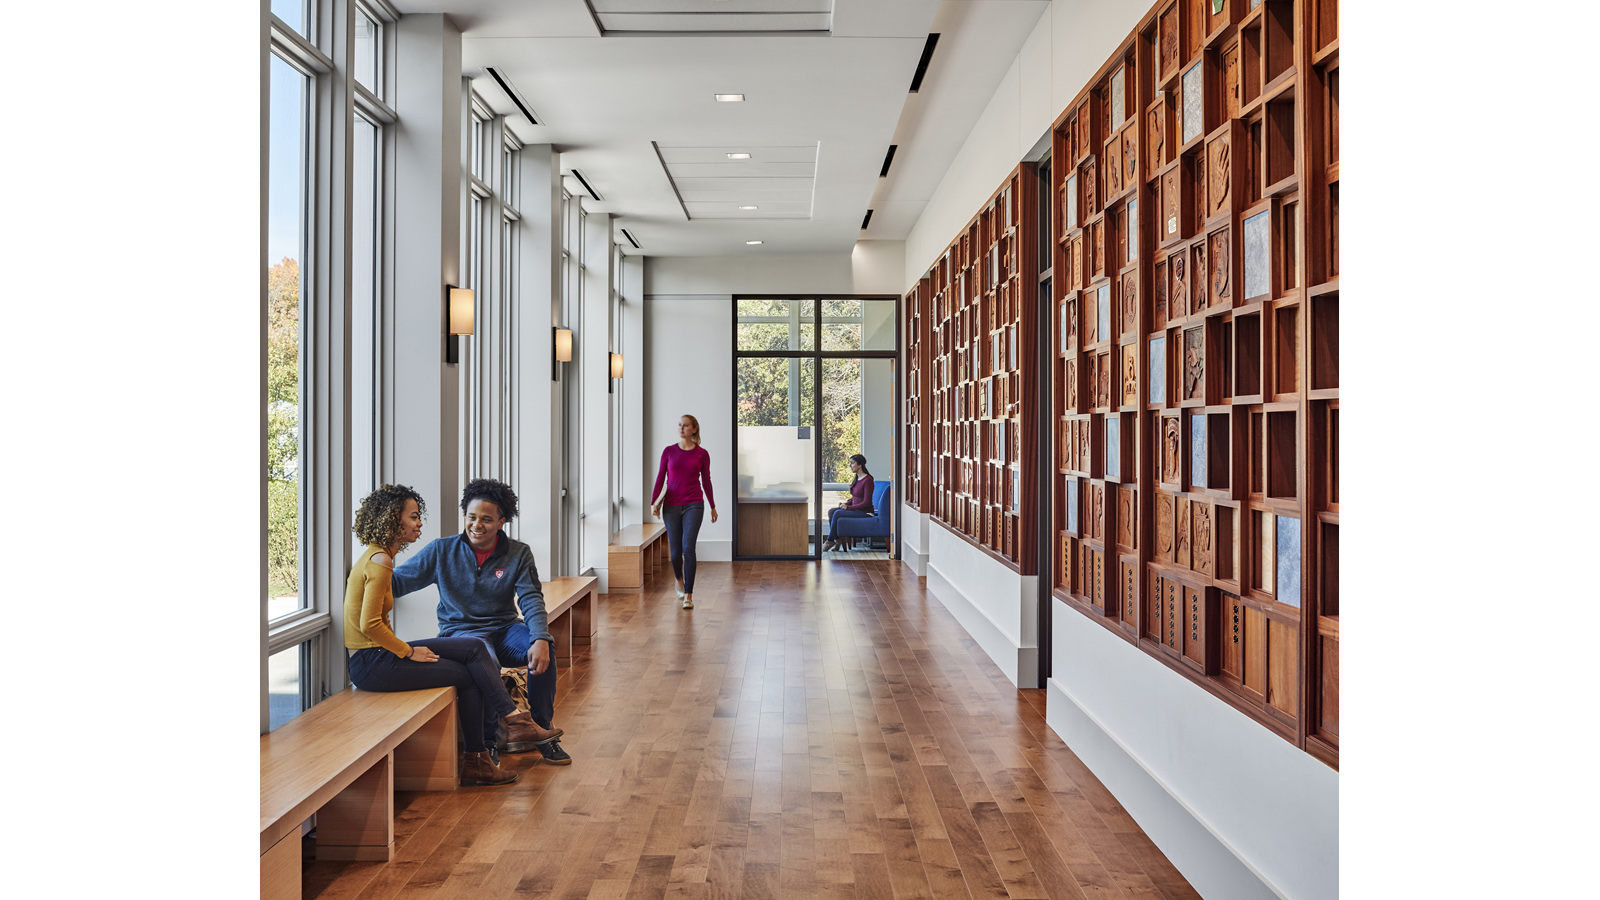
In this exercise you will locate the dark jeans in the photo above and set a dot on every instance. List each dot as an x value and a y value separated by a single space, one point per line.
683 528
464 664
836 514
509 645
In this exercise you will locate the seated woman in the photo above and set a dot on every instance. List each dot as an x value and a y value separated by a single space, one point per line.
389 519
859 506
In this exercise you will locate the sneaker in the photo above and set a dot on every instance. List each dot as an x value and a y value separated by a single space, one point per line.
688 602
553 754
678 589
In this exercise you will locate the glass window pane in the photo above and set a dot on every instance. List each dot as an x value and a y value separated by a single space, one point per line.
366 61
477 146
858 324
767 325
285 672
364 309
293 13
287 166
777 456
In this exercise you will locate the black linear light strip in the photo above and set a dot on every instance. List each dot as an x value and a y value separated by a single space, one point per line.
631 239
674 184
866 220
922 64
888 158
511 92
586 186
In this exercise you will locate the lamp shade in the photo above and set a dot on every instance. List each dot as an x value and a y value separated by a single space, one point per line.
563 345
616 365
460 310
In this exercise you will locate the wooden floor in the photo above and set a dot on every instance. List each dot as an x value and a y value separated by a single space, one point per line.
808 730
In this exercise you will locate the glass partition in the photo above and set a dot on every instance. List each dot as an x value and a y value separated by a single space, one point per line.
776 466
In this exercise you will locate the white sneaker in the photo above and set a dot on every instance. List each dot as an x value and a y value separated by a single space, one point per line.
688 602
678 589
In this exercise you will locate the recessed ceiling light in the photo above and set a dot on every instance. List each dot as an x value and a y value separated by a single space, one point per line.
752 243
738 156
748 207
730 98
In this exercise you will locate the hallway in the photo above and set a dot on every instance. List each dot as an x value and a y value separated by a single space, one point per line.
805 731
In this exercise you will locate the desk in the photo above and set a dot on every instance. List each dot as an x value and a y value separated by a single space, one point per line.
774 525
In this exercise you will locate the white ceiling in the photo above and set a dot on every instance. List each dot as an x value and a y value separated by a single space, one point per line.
838 100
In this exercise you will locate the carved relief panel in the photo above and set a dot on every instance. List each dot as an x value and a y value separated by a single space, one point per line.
1164 528
1130 157
1155 130
1075 257
1194 364
1130 592
1195 637
1113 160
1128 517
1128 296
1102 380
1220 257
1084 450
1178 299
1159 297
1180 528
1130 374
1070 388
1231 79
1201 537
1097 511
1091 321
1171 451
1171 203
1097 244
1197 185
1169 41
1198 288
1091 196
1220 167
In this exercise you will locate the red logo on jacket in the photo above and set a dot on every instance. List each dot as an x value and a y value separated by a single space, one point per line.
499 573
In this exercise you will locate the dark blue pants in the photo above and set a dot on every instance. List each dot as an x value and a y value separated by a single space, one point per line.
509 647
836 514
464 664
683 529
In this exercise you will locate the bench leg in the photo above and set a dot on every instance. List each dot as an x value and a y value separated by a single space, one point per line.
427 760
582 620
358 823
280 869
561 630
624 569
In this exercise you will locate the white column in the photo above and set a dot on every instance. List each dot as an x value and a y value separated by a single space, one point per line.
538 441
595 490
631 389
427 243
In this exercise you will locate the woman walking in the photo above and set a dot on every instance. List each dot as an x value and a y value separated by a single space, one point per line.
859 506
685 469
389 519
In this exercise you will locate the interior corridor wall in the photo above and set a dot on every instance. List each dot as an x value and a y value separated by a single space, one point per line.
1239 811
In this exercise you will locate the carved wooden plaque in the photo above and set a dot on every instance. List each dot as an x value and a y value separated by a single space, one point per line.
1164 537
1199 17
1084 458
1113 159
1194 644
1102 366
1097 511
1180 527
1091 198
1130 592
1199 185
1076 256
1219 14
1171 451
1221 284
1120 251
1156 133
1170 604
1130 157
1130 374
1219 167
1071 338
1129 297
1169 42
1194 364
1171 206
1178 300
1159 301
1091 329
1098 242
1202 537
1198 272
1127 517
1232 99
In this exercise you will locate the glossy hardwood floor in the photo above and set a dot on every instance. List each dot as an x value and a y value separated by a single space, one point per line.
808 730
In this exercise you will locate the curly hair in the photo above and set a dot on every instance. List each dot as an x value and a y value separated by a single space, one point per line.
497 492
378 519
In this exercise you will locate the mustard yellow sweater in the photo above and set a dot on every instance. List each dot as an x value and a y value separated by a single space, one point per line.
367 601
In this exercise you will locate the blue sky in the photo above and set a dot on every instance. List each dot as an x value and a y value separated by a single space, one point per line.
284 160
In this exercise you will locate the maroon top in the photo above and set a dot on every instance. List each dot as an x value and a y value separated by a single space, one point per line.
685 472
861 494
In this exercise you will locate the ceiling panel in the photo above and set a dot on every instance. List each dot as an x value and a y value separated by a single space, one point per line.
673 17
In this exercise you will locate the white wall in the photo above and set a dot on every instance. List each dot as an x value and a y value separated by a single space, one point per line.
872 267
688 362
1237 809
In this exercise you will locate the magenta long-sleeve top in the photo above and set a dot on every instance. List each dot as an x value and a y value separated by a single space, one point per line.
861 494
685 472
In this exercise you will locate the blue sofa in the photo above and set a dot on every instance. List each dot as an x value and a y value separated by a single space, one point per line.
880 524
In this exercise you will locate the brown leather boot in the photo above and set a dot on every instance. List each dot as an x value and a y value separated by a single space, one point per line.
479 768
518 733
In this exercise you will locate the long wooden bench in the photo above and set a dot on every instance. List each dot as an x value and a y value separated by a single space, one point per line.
569 608
634 554
342 760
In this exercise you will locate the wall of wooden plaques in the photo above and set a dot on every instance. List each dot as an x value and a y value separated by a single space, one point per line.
1196 379
970 326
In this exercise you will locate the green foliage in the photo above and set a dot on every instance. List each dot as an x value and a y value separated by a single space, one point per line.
283 428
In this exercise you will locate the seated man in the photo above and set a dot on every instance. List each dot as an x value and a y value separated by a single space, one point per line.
483 577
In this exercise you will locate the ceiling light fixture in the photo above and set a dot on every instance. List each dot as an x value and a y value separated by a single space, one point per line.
729 98
738 156
752 243
749 207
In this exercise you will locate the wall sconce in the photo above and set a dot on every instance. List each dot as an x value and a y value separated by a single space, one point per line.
616 372
561 340
460 315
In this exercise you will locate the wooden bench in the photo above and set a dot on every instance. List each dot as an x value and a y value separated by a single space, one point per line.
569 608
342 760
634 554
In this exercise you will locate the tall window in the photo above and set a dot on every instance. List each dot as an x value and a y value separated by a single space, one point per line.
489 365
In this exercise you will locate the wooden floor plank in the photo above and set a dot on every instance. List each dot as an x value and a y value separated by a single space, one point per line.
808 731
